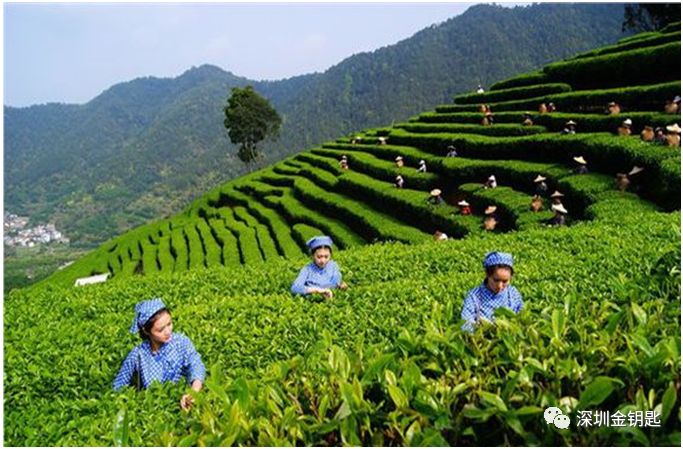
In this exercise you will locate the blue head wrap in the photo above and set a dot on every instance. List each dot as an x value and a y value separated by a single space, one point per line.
318 241
497 258
144 311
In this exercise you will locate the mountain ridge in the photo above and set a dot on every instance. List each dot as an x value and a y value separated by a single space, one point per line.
144 148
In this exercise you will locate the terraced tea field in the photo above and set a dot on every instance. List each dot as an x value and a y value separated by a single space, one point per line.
386 363
261 217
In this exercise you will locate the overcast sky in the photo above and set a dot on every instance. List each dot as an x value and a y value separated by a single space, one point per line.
70 53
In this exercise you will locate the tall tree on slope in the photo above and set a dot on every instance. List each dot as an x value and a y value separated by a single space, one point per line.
249 119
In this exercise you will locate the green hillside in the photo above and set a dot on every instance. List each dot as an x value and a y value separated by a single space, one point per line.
146 148
253 219
386 362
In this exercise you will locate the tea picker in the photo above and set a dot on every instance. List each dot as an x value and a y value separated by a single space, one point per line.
494 292
322 274
163 356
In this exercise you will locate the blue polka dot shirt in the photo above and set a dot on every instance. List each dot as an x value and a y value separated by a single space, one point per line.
481 302
313 276
173 360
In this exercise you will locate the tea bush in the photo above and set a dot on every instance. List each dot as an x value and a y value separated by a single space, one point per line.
512 93
639 66
384 363
526 79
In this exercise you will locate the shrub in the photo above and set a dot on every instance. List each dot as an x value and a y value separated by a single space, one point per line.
265 241
295 212
230 254
164 254
279 228
320 162
613 206
512 93
640 66
411 156
371 225
671 27
637 37
408 204
246 237
211 246
604 153
638 98
385 170
647 41
583 190
149 257
195 249
179 250
510 203
495 130
556 121
526 79
303 232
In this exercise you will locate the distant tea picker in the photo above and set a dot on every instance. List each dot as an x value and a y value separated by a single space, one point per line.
322 275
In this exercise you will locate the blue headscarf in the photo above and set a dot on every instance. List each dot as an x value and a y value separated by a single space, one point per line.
318 241
498 258
144 311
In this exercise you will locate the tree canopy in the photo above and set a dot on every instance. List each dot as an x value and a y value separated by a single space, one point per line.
249 119
650 16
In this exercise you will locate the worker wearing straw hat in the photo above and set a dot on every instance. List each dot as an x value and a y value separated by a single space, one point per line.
464 208
440 236
423 166
399 161
435 197
382 140
494 292
527 119
673 107
582 165
622 182
556 197
625 128
344 163
490 219
541 186
673 135
491 182
569 127
647 134
560 218
399 182
622 179
613 108
536 203
488 118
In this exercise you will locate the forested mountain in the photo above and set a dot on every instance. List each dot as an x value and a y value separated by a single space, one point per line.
142 149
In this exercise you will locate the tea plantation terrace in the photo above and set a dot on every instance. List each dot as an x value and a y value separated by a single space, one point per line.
386 362
272 212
